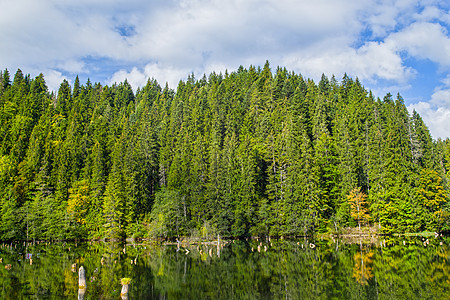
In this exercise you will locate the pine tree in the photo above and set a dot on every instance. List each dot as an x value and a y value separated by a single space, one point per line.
64 97
115 197
431 198
421 142
239 154
5 81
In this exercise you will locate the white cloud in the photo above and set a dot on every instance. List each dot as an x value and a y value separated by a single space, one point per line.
383 16
424 41
429 13
446 81
436 112
184 34
72 66
441 98
198 34
43 34
53 79
138 78
436 118
368 38
135 78
370 62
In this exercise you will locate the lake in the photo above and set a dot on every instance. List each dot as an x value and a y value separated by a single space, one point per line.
382 268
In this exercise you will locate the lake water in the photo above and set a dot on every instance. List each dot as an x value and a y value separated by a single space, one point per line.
386 268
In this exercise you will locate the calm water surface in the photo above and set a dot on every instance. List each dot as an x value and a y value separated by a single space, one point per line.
390 268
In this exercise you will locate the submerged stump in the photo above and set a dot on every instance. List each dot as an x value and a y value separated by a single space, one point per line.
81 293
82 278
81 283
125 286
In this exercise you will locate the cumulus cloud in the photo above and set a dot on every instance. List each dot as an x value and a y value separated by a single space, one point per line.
135 78
381 17
441 98
424 41
138 78
436 118
244 32
72 66
47 33
436 112
109 41
197 34
184 33
374 60
429 13
53 79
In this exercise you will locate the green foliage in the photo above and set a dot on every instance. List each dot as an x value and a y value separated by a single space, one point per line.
252 152
431 198
166 218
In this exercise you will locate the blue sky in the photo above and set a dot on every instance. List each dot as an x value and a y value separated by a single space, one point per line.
396 46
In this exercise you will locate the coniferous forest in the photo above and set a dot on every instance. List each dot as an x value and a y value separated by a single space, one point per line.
247 153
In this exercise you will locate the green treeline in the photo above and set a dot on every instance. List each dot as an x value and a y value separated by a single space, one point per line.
246 153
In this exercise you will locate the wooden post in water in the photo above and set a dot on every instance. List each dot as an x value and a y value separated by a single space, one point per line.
218 246
81 283
125 285
82 278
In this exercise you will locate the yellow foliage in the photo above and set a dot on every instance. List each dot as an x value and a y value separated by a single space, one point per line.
5 166
70 282
78 201
161 270
160 219
358 204
204 256
362 269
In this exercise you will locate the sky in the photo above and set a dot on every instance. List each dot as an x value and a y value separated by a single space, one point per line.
395 46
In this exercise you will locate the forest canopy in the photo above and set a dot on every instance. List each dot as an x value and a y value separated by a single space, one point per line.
246 153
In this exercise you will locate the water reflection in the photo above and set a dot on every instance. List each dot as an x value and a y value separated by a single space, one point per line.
363 269
387 268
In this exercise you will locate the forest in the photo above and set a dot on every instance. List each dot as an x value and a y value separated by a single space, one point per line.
253 152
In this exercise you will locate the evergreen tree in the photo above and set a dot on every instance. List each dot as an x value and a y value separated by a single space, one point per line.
244 153
115 197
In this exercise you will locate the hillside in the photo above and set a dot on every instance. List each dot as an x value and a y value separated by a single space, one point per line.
251 152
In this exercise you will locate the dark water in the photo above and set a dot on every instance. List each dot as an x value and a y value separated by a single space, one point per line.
399 268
